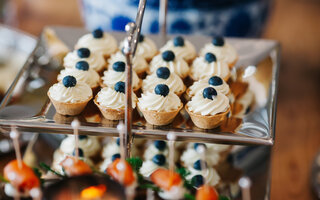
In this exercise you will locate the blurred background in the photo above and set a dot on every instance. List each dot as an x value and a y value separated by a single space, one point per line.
295 23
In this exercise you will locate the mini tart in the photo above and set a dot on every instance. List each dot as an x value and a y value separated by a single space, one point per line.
146 48
70 100
223 51
182 48
112 103
168 59
98 42
111 77
95 60
159 110
140 65
208 113
203 68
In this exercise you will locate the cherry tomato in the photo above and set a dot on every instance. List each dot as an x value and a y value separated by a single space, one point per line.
165 178
121 171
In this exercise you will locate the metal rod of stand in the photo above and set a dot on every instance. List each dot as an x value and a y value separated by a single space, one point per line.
139 18
163 20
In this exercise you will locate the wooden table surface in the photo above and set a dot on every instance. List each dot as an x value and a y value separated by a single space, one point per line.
296 24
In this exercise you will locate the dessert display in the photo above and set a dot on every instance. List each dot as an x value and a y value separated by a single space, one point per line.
181 48
98 42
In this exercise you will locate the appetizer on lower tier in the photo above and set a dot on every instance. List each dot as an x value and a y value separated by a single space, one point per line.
207 192
222 50
95 60
70 96
168 59
182 48
161 106
98 42
73 166
149 166
111 101
209 109
117 73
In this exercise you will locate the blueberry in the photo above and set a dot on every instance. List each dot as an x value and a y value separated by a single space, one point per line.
215 81
161 89
209 57
118 141
197 180
209 93
82 65
196 145
163 72
69 81
82 137
97 33
159 159
119 66
141 38
83 53
80 152
160 145
115 156
178 41
198 165
120 87
168 56
218 41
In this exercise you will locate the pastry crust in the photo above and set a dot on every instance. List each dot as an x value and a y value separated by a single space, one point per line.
109 113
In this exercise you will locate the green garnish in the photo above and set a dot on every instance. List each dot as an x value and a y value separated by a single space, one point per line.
223 198
150 186
183 172
188 196
136 163
48 168
3 179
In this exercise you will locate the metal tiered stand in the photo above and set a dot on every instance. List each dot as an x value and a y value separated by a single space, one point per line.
27 107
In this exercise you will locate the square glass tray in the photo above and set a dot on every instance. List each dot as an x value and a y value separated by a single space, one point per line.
27 106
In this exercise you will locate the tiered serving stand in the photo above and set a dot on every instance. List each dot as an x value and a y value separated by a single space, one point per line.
27 107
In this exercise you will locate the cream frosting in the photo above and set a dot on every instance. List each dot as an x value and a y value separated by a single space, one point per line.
152 101
199 86
139 64
90 77
204 106
111 77
110 149
190 156
151 151
10 191
105 45
148 167
226 53
178 65
110 98
90 145
79 93
95 60
175 193
146 49
210 174
186 52
174 83
201 69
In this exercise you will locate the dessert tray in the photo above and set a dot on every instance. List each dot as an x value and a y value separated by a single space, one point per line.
27 106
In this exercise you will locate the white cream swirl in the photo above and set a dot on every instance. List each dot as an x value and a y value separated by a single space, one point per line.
79 93
95 60
90 77
204 106
110 149
210 174
198 86
190 156
110 98
152 101
201 69
89 145
176 192
186 52
226 53
148 167
111 77
152 151
178 65
105 45
146 49
174 82
139 64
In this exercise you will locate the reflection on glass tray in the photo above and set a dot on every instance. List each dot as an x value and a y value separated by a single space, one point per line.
30 110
